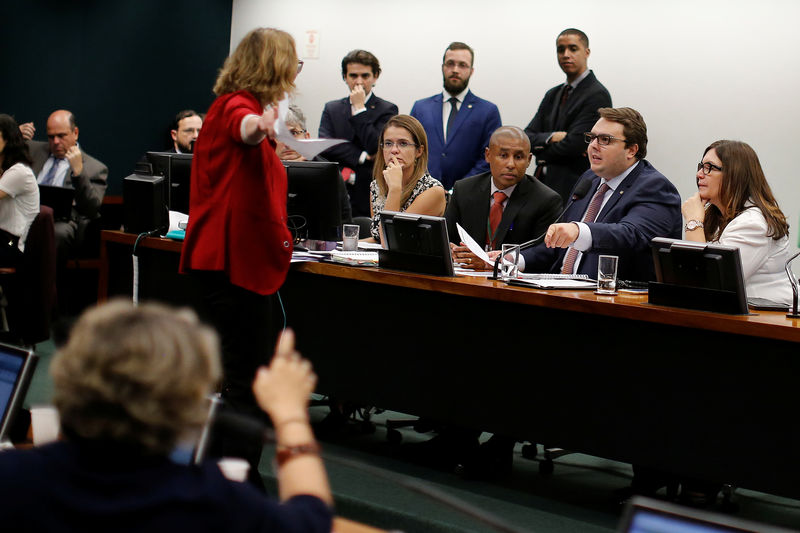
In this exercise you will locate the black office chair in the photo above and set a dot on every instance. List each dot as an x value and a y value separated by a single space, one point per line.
30 288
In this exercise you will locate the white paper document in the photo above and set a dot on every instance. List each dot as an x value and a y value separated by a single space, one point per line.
473 246
308 148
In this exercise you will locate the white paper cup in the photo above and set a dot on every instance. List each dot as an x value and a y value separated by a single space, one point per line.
234 468
45 423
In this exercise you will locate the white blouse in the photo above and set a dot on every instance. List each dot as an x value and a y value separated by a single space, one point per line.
763 258
21 206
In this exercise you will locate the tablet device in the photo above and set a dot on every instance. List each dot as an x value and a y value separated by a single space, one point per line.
16 369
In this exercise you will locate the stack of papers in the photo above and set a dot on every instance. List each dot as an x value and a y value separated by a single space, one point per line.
355 258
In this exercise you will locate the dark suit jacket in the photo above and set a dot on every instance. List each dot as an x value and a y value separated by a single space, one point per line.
463 153
531 209
362 131
90 185
566 160
645 205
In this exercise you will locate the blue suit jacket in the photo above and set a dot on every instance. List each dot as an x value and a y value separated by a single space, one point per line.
645 205
463 153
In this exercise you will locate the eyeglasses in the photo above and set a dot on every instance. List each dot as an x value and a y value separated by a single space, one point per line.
296 132
300 64
603 139
708 167
388 145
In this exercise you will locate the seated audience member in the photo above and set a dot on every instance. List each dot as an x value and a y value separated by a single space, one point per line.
61 162
130 384
19 194
401 179
184 131
296 121
630 202
357 118
503 205
734 206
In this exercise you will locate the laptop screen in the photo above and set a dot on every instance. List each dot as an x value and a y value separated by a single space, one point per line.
646 515
16 369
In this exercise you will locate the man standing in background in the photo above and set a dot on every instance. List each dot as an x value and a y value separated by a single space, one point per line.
457 122
566 112
359 119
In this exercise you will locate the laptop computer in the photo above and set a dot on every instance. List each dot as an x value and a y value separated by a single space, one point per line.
647 515
59 199
16 369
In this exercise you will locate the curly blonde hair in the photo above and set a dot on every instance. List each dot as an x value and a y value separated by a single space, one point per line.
135 375
264 63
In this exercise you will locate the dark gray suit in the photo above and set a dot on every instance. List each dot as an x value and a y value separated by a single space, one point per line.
565 161
90 187
531 209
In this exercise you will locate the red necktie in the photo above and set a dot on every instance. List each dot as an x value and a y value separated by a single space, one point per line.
495 215
591 214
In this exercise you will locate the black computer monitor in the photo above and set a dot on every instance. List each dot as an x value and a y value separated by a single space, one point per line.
415 243
696 275
313 203
177 170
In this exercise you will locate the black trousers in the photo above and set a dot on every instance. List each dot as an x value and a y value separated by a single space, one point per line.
247 325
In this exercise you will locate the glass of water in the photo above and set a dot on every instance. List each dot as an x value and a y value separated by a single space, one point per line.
350 237
607 274
509 265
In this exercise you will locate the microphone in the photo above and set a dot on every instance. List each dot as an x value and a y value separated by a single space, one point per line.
578 192
793 281
254 428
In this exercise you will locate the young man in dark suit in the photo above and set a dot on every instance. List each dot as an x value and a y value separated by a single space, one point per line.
523 207
635 203
358 118
458 123
566 112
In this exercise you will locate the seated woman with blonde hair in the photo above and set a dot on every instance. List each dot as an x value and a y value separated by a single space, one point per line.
130 384
734 206
401 180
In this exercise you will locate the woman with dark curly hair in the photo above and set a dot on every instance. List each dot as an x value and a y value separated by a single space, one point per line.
19 194
734 206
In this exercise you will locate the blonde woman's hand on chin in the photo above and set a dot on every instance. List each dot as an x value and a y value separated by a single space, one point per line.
393 174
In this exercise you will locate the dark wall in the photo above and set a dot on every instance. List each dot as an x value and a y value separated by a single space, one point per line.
124 67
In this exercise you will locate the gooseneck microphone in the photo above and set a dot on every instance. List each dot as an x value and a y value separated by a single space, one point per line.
793 313
578 192
251 427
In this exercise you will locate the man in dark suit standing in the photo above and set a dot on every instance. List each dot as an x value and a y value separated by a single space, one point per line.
458 123
61 162
503 205
359 119
630 202
567 111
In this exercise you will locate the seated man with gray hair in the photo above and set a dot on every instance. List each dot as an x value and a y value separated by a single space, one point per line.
296 121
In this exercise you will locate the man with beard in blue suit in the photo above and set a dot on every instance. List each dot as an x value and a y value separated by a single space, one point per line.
359 119
457 122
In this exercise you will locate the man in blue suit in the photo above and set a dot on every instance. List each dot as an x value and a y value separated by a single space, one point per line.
359 119
635 203
458 123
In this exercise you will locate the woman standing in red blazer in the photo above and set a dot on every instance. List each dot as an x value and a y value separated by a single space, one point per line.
237 245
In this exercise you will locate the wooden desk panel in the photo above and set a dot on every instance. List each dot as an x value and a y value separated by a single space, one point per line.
700 394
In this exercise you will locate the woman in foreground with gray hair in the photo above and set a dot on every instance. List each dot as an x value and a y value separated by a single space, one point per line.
130 384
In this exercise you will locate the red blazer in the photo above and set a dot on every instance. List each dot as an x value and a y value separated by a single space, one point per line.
237 208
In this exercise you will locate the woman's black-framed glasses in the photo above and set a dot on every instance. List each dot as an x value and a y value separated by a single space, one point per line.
708 167
402 144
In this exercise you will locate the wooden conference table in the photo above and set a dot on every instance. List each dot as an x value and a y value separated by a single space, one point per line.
700 394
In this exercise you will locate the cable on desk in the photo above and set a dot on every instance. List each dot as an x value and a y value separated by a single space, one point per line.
283 311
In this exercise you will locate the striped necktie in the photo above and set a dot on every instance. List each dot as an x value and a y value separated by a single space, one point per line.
591 214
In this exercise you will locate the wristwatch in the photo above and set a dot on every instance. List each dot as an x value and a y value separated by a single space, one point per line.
692 225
